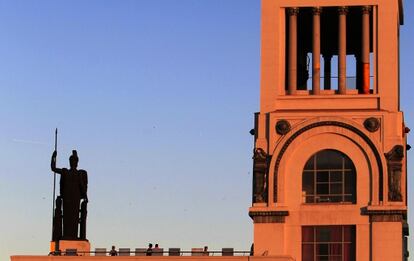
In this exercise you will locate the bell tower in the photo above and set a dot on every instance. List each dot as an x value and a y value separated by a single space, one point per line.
329 165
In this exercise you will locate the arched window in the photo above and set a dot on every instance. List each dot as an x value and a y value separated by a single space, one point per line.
329 176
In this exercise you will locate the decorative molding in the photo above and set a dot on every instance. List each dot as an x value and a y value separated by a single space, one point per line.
260 175
293 11
343 10
396 153
384 215
366 9
321 124
395 165
268 216
372 124
282 127
317 10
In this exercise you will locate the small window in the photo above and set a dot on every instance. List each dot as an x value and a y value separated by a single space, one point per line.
329 177
336 243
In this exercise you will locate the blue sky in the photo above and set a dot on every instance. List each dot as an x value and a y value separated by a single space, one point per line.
157 96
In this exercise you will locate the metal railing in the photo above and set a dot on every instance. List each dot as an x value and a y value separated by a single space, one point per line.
170 252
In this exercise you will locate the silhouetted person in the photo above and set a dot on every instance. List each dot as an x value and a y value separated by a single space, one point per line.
73 188
205 251
113 252
156 247
149 250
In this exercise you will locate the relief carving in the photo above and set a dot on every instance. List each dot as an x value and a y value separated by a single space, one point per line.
260 172
395 162
282 127
372 124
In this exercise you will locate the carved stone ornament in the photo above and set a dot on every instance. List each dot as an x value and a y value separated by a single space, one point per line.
366 9
316 10
268 216
260 170
372 124
282 127
343 10
395 162
384 215
293 11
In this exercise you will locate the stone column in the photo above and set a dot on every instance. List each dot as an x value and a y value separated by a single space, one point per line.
365 50
327 71
316 51
293 46
342 50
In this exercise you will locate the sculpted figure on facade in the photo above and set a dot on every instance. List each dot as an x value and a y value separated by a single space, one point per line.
260 171
394 163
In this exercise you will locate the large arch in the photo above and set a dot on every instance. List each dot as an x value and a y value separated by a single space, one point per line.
337 126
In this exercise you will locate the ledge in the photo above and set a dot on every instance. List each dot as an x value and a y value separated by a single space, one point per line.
268 216
326 102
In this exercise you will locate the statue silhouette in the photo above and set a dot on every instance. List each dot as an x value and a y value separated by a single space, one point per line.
73 189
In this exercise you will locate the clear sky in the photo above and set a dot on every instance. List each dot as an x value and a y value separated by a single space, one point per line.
158 98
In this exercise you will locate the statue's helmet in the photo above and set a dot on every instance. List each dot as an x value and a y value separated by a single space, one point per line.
73 159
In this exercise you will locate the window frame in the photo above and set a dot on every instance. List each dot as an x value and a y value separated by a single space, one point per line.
347 243
315 180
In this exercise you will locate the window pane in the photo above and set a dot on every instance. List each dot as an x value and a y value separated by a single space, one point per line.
349 252
348 233
335 258
336 188
322 189
307 234
348 163
336 233
329 159
307 252
322 249
350 199
322 199
309 165
308 183
322 234
349 182
335 199
335 249
322 176
336 176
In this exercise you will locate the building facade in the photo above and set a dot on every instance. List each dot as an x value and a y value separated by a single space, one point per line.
330 180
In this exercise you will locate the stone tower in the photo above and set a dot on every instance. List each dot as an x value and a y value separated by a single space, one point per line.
329 165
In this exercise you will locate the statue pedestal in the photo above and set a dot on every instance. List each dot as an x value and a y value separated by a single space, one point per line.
83 247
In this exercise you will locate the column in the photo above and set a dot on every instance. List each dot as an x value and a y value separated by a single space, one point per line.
316 51
327 58
292 55
365 50
342 50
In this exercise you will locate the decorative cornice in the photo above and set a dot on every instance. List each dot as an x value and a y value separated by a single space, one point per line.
389 215
268 216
